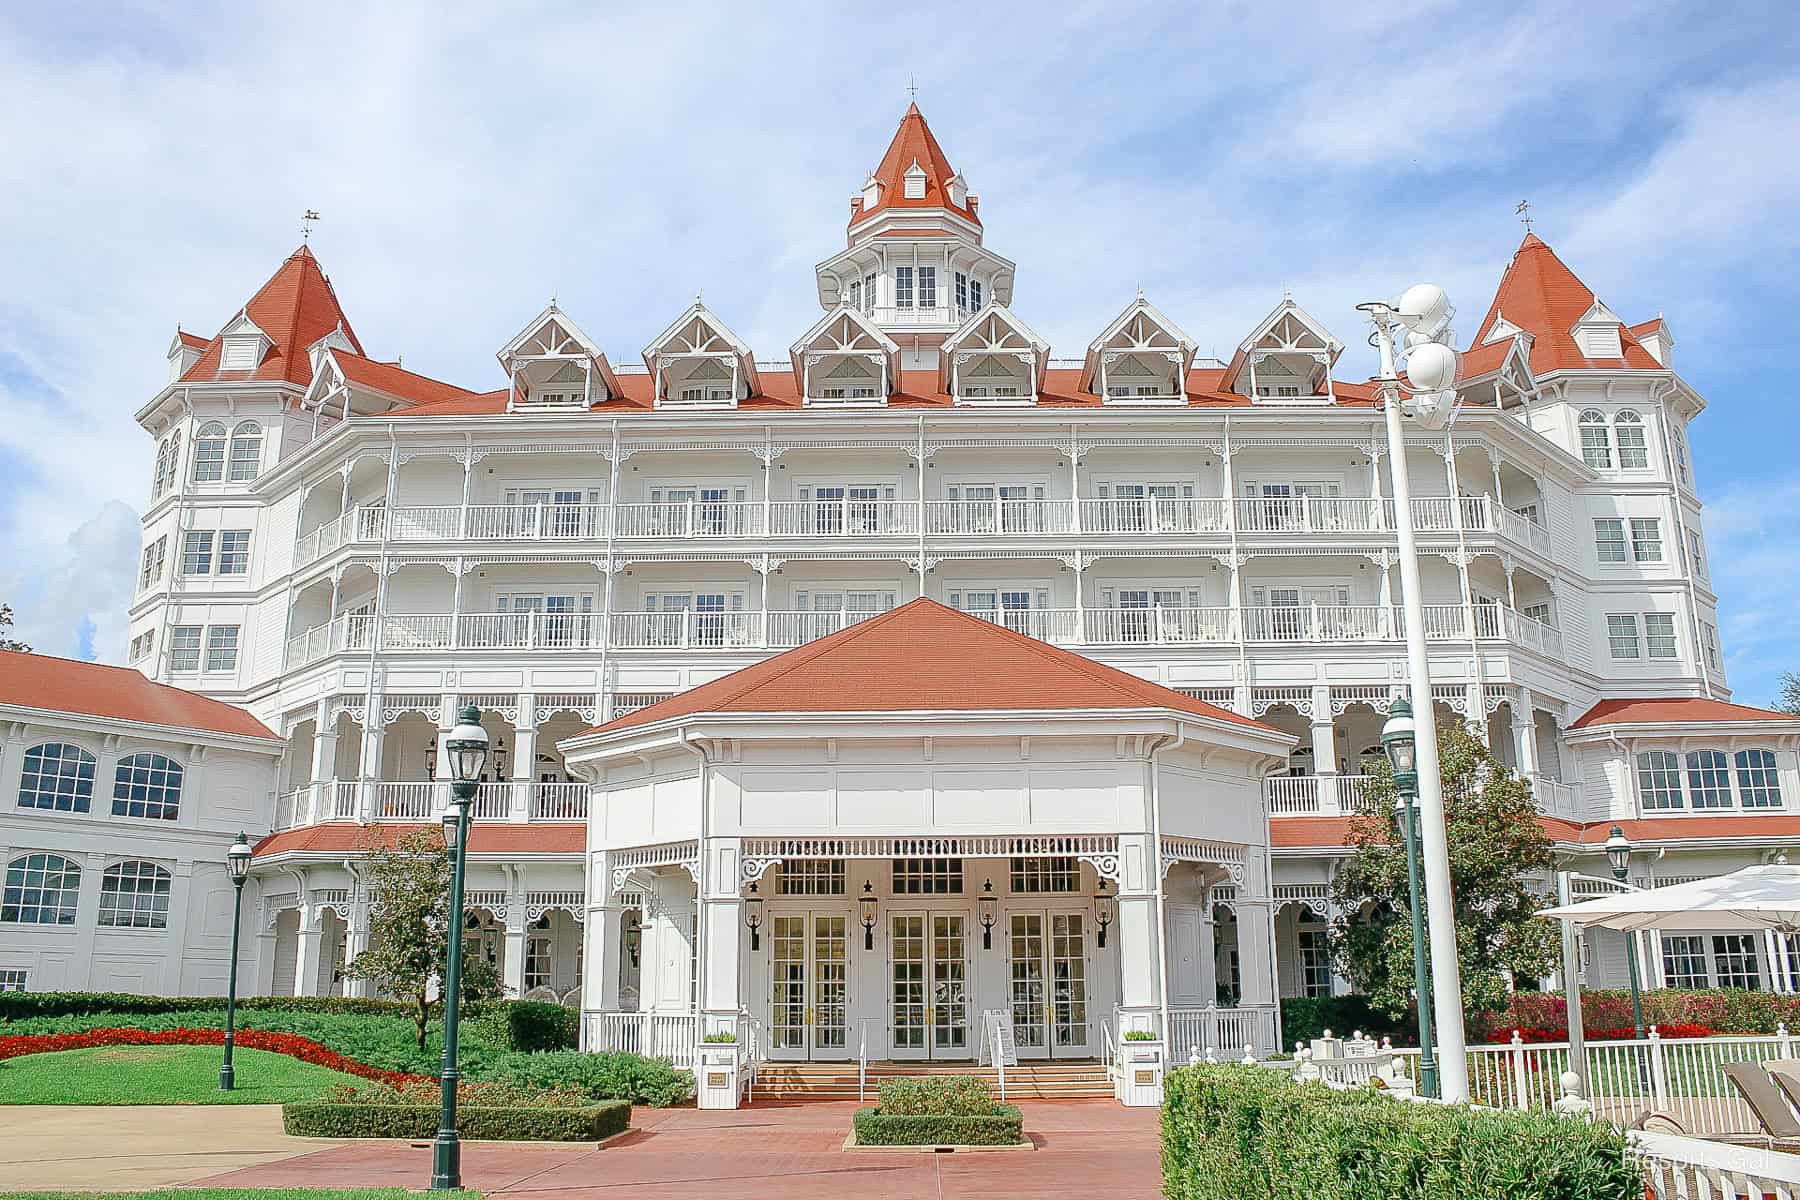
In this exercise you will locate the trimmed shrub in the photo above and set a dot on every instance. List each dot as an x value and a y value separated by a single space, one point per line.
1230 1132
588 1123
1304 1018
605 1076
15 1006
936 1096
537 1025
1003 1127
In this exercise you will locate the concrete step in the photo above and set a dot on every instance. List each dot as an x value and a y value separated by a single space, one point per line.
1052 1079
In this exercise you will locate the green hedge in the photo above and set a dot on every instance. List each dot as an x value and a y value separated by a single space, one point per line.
876 1128
18 1006
1304 1018
612 1075
1230 1132
419 1121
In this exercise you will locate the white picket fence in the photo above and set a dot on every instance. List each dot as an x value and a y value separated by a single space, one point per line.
1680 1167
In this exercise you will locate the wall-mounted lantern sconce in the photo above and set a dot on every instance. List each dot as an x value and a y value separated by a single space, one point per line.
431 759
634 938
988 907
1103 913
868 915
753 918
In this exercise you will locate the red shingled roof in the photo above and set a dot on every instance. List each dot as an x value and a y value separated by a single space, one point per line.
191 340
913 143
392 379
925 657
484 838
91 689
295 308
1538 293
1673 710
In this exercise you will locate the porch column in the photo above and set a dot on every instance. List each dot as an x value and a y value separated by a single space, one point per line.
1140 964
512 946
356 940
601 941
524 765
1256 937
445 723
262 980
373 738
325 742
1525 734
306 950
1209 953
1324 748
87 918
721 933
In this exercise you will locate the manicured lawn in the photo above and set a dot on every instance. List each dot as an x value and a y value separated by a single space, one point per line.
244 1194
161 1075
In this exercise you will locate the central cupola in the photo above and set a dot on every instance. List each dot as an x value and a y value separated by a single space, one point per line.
914 266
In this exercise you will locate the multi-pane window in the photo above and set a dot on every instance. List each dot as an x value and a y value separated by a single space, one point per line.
197 552
168 464
1622 635
1659 779
12 979
1628 432
811 877
152 568
1060 874
928 877
1759 783
234 552
974 295
1609 539
540 950
1596 445
147 785
1708 779
1735 961
868 293
1659 635
855 298
927 287
135 895
184 648
1646 539
1315 961
1684 960
142 645
57 776
903 287
1696 556
246 451
209 453
221 647
1539 612
961 280
41 889
1711 633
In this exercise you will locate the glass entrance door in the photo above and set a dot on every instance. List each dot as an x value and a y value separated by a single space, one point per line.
809 986
1047 984
929 973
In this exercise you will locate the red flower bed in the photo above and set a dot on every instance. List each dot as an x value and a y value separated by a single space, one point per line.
290 1044
1625 1034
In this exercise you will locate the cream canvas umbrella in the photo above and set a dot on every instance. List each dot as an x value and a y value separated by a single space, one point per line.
1766 897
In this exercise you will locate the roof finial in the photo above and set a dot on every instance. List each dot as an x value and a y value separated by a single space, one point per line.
1523 212
698 302
306 224
912 87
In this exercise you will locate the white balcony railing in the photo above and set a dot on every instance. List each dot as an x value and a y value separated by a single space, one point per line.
688 519
844 518
999 518
1154 515
1311 514
423 801
1316 795
788 629
1225 1031
685 630
674 1036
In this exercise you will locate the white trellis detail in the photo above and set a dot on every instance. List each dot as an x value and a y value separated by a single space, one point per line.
572 902
495 902
583 704
666 854
1378 696
504 703
976 846
1232 856
274 906
753 869
425 704
1262 699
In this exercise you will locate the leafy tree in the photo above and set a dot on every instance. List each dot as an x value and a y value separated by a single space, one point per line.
1789 701
6 620
409 925
1496 848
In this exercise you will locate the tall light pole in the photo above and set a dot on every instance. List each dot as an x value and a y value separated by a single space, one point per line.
1618 853
1424 312
1400 742
468 748
237 865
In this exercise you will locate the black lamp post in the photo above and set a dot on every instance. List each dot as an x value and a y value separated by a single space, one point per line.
1618 853
237 865
1103 914
468 747
1400 741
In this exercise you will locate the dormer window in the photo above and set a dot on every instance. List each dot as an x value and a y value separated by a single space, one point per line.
240 354
845 359
913 183
1597 333
1140 358
698 362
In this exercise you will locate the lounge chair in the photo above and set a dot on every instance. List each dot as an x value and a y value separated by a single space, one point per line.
1765 1100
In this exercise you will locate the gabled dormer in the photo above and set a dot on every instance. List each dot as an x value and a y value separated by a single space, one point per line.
337 339
1597 332
994 359
552 366
1497 374
1141 358
242 344
1656 338
1501 329
845 359
1287 359
699 363
185 350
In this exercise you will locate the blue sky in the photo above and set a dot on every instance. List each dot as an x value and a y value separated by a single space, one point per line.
471 161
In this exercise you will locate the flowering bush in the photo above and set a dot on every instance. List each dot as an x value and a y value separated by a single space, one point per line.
1722 1010
289 1044
1621 1034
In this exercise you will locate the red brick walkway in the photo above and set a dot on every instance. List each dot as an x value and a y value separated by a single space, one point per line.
1085 1148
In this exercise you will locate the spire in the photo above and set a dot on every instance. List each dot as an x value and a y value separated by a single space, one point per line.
914 150
294 309
1539 294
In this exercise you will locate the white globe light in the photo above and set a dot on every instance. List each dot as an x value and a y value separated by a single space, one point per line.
1424 307
1431 368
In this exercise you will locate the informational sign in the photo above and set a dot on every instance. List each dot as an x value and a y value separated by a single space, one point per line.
1000 1037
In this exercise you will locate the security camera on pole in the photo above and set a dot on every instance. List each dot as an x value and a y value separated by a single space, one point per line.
1423 313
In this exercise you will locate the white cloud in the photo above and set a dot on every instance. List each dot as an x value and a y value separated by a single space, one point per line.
74 599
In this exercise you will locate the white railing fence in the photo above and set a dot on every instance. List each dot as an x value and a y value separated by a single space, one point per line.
1676 1166
1226 1031
674 1036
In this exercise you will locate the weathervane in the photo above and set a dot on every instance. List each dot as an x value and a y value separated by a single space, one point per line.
306 224
1523 212
912 87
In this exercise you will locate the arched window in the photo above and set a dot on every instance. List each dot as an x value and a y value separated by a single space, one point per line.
41 889
57 776
135 895
168 463
1596 445
246 451
1659 779
1759 784
1708 779
147 785
1628 433
209 453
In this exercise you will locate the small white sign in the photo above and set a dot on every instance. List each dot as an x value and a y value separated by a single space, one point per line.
1000 1024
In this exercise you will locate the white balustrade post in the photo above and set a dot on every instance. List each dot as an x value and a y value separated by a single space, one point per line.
1521 1089
524 764
1659 1079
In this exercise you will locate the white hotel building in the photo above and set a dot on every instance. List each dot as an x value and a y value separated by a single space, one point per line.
350 550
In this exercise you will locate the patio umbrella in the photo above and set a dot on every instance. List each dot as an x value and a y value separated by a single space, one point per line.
1766 897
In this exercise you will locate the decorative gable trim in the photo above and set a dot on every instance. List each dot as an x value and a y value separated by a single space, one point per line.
552 366
1140 342
696 338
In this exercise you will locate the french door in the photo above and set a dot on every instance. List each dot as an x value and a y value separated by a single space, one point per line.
809 986
928 964
1047 983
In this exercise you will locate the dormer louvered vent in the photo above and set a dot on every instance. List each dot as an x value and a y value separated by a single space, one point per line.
914 183
1597 333
240 354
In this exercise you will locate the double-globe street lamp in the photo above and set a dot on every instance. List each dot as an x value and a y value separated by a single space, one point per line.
1618 853
467 746
1400 740
237 865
